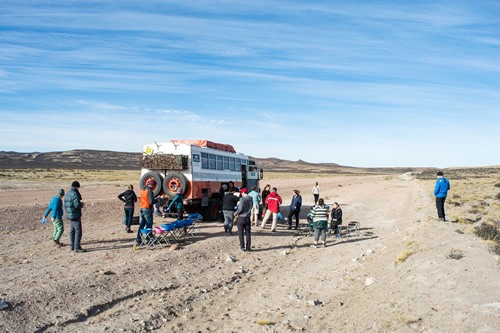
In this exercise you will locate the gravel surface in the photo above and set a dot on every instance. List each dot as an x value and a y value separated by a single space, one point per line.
394 277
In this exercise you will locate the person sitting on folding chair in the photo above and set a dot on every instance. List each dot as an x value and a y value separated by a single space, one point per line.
336 221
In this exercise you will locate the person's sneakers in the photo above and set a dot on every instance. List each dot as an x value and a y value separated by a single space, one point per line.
56 242
273 230
289 228
440 219
130 231
314 245
80 250
242 249
296 228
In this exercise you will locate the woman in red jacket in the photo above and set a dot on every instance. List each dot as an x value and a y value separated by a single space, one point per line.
273 202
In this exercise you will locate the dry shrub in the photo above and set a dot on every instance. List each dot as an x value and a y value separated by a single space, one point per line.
488 232
403 256
456 254
497 196
497 185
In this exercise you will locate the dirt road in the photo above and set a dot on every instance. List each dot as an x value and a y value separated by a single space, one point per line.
394 277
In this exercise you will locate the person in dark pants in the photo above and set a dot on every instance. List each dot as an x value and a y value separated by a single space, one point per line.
336 219
244 213
73 205
441 191
129 198
147 205
178 201
295 209
228 203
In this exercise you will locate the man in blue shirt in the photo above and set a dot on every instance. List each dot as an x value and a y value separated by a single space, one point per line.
441 191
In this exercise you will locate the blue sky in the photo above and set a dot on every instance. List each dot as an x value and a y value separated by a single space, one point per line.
360 83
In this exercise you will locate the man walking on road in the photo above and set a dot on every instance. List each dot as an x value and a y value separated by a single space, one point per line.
441 191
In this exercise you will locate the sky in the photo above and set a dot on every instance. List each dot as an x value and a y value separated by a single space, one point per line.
358 83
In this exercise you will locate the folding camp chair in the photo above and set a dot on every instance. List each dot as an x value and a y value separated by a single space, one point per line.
169 230
353 229
147 238
161 236
196 218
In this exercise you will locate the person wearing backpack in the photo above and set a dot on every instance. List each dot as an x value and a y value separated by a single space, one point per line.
441 191
129 198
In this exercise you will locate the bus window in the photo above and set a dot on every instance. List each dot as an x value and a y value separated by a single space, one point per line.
219 162
212 161
204 160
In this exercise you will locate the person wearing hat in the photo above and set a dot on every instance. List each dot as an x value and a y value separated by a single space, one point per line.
56 207
441 191
146 208
73 205
243 212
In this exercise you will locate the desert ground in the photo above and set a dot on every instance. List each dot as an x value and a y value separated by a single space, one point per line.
405 272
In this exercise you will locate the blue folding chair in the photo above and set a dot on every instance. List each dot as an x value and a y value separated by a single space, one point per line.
169 229
196 218
147 238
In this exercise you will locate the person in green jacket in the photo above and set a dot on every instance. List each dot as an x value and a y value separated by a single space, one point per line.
56 207
178 201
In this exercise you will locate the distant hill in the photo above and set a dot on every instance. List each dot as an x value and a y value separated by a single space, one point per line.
72 159
112 160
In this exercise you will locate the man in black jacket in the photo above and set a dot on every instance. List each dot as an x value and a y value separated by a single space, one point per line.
73 205
244 211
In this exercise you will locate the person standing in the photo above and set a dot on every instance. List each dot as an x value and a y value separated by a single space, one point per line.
146 205
273 202
228 203
56 207
336 219
319 214
178 201
73 205
295 209
129 198
244 211
315 193
441 191
264 194
255 208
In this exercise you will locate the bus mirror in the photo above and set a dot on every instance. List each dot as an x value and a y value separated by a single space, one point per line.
261 174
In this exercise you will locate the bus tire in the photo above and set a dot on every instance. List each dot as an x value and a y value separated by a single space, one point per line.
173 180
152 175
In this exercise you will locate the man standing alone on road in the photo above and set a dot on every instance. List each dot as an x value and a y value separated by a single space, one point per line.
244 211
315 193
73 205
441 191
